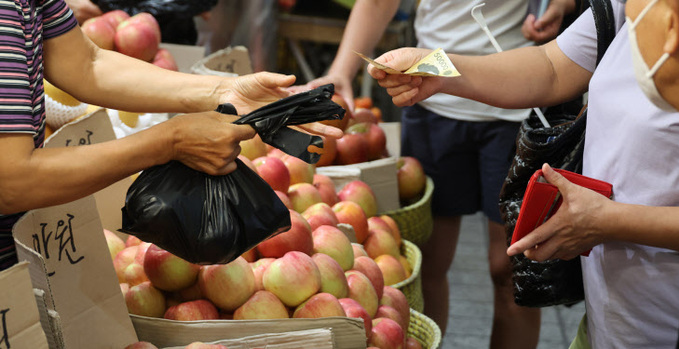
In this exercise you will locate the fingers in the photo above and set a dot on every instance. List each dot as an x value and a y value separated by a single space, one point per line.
273 80
322 129
556 178
536 237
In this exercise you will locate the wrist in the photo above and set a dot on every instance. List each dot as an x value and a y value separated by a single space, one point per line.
568 6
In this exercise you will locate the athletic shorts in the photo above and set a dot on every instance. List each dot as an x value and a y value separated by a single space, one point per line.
468 161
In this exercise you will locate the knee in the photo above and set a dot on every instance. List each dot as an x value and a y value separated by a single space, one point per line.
500 271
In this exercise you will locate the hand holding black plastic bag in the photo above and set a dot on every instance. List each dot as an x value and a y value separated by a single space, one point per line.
214 219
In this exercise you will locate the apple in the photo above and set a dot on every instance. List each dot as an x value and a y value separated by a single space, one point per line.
394 298
406 265
167 271
100 31
284 199
412 343
394 229
164 59
326 188
354 309
297 238
329 152
386 311
141 345
253 148
250 255
303 195
332 241
141 252
362 291
197 310
391 268
372 271
124 287
247 162
351 213
380 222
362 115
300 171
115 244
387 333
258 268
275 152
360 193
274 172
115 17
134 274
380 242
320 214
363 102
145 300
318 306
293 278
138 37
132 241
201 345
262 305
351 149
122 260
358 250
190 293
228 286
378 113
374 135
410 177
333 280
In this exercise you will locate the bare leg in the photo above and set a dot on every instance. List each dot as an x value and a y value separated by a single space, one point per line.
437 257
513 326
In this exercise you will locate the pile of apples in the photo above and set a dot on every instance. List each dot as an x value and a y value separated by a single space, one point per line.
137 36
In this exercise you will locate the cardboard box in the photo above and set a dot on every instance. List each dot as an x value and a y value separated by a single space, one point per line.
19 318
231 61
392 131
185 55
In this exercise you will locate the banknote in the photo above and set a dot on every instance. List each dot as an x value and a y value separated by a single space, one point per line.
436 63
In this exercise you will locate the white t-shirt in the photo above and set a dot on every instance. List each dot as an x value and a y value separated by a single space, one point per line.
448 24
631 291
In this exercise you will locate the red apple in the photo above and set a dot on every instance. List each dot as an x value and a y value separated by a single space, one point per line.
197 310
190 293
284 199
326 188
352 149
132 241
394 298
318 306
393 228
167 271
388 312
387 333
410 177
300 171
412 343
122 260
351 213
164 59
354 309
115 244
362 291
380 242
138 37
134 274
247 162
258 268
228 286
145 300
358 250
262 305
329 152
362 115
303 195
370 269
332 241
274 172
293 278
275 152
298 238
115 17
320 214
375 137
376 222
360 193
333 280
141 345
253 148
100 31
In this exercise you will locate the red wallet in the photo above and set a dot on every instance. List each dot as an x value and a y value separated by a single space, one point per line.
541 200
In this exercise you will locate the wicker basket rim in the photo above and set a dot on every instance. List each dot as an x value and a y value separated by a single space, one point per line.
416 268
414 314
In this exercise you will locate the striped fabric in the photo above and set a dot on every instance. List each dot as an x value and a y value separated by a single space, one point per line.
23 26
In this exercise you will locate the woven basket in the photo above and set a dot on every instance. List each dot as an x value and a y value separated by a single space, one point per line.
415 221
412 286
424 330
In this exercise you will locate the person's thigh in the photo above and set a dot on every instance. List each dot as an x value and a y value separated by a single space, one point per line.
446 149
497 141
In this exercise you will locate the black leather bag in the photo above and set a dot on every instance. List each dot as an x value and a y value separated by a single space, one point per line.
542 284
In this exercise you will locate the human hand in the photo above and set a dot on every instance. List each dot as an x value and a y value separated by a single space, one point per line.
342 87
253 91
547 27
573 228
405 90
207 142
83 9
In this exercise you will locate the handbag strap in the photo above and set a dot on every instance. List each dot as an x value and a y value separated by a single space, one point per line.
605 25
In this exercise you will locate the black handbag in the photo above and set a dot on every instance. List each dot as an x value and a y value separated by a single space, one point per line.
553 282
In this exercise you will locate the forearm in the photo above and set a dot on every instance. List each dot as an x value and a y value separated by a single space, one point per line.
645 225
507 80
366 26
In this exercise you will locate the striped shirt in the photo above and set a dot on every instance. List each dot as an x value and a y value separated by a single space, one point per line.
23 26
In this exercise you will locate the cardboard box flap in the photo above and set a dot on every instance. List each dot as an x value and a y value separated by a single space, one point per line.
50 321
308 339
19 319
38 271
348 333
231 61
184 55
80 273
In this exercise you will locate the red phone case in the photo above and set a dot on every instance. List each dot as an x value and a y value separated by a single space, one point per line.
541 200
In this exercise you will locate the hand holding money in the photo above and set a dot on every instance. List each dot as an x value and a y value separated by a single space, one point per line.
436 63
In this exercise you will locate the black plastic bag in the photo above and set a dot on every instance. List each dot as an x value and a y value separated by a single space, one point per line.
214 219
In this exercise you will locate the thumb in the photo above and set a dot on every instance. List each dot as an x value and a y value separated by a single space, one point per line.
550 16
400 59
273 80
555 178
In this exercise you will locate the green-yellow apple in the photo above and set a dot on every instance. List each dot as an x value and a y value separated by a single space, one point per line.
134 274
115 244
318 306
145 300
258 268
391 268
122 260
332 241
228 286
326 187
369 268
253 148
362 291
360 193
300 171
379 222
410 177
333 280
303 195
320 214
262 305
167 271
293 278
380 242
351 213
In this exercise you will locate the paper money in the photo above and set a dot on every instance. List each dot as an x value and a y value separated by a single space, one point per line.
436 63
